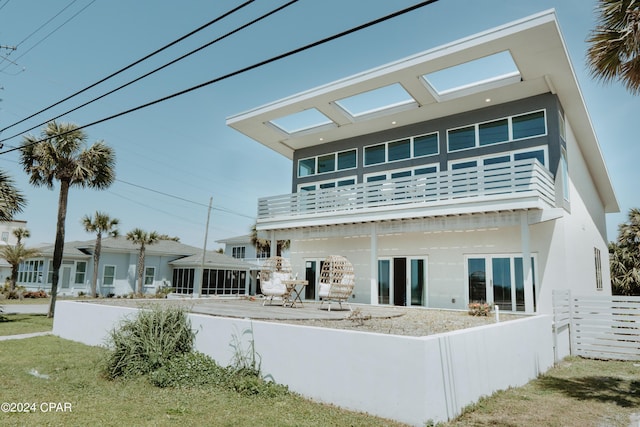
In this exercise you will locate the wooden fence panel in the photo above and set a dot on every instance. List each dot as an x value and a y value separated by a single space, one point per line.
601 327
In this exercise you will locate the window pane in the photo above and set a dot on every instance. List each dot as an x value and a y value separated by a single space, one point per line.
459 139
425 145
384 280
149 275
400 174
376 178
326 163
528 125
374 155
423 171
494 132
538 154
347 160
346 182
307 167
494 160
464 165
399 150
308 188
328 185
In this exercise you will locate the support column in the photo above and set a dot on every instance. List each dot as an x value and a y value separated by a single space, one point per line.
273 249
526 263
374 265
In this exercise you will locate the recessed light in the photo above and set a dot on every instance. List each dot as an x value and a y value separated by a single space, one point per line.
487 100
394 122
321 139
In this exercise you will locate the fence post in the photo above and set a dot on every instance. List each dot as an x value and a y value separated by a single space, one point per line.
572 326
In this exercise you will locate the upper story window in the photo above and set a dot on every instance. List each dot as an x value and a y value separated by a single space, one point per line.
539 153
326 163
238 252
497 131
5 236
403 149
342 182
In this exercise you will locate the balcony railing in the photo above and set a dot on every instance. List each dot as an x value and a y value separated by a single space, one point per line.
514 180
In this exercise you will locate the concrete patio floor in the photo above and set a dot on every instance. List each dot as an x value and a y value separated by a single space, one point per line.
246 308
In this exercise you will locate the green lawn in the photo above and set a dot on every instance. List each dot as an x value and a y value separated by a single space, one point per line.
73 379
14 324
576 393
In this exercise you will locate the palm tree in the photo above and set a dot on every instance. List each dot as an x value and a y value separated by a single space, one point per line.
100 223
21 233
144 239
61 155
11 199
615 43
14 256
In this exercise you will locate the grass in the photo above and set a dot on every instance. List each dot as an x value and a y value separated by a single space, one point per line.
578 392
15 324
73 377
42 301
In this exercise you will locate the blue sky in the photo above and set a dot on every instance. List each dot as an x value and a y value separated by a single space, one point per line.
183 148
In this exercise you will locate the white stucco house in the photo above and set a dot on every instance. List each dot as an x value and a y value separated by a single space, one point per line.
468 172
167 264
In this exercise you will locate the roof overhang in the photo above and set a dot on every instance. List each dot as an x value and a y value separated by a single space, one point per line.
536 47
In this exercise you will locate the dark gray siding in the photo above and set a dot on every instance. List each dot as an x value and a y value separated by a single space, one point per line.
547 102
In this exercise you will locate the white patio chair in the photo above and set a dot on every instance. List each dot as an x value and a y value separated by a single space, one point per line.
274 271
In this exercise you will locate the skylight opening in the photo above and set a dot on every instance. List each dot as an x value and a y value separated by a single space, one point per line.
384 98
482 70
302 121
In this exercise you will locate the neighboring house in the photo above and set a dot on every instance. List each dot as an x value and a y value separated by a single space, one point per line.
223 275
117 270
453 186
7 238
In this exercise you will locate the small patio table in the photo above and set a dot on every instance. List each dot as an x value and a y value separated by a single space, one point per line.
294 289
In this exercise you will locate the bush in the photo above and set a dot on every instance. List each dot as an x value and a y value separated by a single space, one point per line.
479 309
35 294
189 370
148 342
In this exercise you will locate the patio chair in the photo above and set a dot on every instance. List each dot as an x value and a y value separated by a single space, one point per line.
336 281
273 272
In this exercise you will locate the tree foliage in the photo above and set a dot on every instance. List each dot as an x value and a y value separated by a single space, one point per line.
143 239
624 256
61 155
614 51
15 255
12 201
101 223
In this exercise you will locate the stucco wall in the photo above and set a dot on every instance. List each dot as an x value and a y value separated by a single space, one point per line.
409 379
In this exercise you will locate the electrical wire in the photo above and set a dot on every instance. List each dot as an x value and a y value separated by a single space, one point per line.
5 3
216 40
52 32
133 64
237 72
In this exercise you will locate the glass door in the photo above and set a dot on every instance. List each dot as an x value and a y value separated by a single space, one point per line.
384 281
310 274
477 280
418 281
501 283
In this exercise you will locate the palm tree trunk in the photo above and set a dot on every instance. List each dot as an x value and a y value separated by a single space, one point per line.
58 246
14 277
96 263
140 269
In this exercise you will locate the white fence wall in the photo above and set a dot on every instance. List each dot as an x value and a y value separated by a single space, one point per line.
409 379
601 327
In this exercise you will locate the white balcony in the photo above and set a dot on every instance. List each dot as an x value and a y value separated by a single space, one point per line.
523 184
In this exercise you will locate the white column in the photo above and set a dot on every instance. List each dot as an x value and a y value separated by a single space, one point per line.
274 244
374 265
526 262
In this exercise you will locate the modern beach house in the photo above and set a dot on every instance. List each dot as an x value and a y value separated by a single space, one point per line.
468 172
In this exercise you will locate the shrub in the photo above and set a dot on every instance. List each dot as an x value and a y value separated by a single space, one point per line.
35 294
2 316
479 309
147 342
189 370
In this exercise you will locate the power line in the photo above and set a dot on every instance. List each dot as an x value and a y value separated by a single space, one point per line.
183 199
53 31
240 71
144 58
216 40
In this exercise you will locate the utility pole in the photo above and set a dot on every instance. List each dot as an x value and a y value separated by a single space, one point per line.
198 287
